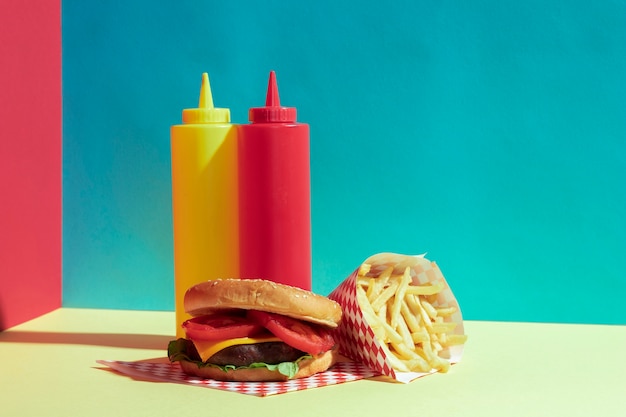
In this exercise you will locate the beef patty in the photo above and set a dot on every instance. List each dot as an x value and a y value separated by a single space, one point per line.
267 352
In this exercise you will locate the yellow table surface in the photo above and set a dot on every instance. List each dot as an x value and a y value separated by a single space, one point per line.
48 368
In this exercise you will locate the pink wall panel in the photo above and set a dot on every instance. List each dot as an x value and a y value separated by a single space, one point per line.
30 159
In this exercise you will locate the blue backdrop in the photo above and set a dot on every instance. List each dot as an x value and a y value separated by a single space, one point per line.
490 134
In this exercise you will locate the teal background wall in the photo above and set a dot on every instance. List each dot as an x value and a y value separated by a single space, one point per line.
490 134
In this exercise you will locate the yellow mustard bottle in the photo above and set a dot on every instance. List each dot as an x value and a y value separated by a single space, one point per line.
204 198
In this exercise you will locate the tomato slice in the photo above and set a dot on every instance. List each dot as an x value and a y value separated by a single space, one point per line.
220 326
303 336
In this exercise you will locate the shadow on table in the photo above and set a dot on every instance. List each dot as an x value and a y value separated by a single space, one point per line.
132 341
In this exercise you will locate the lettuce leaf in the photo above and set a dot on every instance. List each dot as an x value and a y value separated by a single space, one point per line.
183 349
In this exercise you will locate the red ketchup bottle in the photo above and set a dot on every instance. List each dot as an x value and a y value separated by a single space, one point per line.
275 194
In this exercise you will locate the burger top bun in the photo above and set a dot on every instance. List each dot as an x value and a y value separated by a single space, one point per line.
258 294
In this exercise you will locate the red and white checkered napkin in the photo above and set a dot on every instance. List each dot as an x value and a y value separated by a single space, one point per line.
356 338
164 371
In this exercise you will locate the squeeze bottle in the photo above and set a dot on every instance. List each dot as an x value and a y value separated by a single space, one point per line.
275 194
204 198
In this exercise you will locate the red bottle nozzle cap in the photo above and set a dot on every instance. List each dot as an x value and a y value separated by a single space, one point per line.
273 112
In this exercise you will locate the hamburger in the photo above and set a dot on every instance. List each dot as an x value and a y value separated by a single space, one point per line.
255 330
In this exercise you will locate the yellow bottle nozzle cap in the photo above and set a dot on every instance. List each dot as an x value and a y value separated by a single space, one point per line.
205 112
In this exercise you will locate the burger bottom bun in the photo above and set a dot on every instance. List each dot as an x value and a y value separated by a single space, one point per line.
307 367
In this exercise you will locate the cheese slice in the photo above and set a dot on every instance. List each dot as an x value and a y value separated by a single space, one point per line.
208 348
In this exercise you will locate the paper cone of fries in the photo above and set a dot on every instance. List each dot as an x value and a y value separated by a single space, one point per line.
400 317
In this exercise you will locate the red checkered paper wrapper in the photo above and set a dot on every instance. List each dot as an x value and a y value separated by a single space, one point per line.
161 370
356 338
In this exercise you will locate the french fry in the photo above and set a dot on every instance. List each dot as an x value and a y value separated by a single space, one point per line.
403 351
446 312
424 316
380 282
396 363
418 364
411 328
391 333
370 288
385 295
399 297
403 330
364 269
429 289
382 313
421 336
430 310
443 327
455 339
410 319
